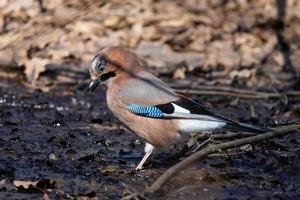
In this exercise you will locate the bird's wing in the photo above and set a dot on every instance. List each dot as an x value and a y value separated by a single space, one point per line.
194 115
146 95
181 108
146 90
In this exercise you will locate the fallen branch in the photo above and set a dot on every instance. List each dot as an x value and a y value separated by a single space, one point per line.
217 148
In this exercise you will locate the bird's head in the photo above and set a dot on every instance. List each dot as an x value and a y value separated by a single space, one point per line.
110 63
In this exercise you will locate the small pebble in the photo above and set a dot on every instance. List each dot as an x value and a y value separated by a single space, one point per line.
52 156
137 142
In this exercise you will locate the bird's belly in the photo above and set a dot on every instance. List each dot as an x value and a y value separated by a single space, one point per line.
192 126
158 132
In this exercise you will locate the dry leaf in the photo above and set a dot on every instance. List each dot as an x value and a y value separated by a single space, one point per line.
179 73
161 55
245 73
52 4
111 169
6 57
88 27
136 34
59 54
41 184
178 21
17 6
114 22
34 67
46 196
278 58
25 184
63 14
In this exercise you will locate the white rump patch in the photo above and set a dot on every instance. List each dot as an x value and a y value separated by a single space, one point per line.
192 126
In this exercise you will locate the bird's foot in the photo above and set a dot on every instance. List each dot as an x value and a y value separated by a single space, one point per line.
138 168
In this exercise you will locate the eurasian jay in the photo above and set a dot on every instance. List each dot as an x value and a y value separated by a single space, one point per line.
147 106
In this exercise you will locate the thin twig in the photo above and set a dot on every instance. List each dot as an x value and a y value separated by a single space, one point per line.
200 89
217 148
203 86
230 135
254 95
202 144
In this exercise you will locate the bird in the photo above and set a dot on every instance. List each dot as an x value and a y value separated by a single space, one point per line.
148 107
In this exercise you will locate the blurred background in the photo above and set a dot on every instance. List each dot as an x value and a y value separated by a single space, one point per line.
241 43
239 57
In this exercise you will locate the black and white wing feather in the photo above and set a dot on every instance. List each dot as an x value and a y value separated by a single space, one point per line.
192 116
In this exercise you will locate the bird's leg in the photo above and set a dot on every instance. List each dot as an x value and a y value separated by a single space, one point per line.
148 151
140 165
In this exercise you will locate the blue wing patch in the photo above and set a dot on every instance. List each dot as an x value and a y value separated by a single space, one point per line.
146 111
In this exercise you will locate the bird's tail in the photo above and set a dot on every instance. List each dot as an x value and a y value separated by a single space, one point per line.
245 127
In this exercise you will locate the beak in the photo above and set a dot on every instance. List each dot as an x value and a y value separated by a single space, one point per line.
93 84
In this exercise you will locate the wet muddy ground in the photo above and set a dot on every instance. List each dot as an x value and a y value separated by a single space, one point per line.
68 141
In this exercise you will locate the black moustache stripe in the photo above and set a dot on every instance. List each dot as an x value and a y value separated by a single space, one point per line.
107 76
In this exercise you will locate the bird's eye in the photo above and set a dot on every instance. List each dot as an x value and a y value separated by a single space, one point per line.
99 65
